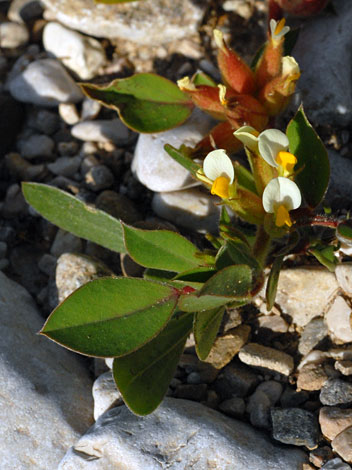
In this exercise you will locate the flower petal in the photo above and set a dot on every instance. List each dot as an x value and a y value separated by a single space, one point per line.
248 136
270 143
281 191
289 66
216 164
278 29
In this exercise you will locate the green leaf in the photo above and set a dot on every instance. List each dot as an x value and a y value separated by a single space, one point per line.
344 230
73 215
111 316
205 328
245 178
196 303
145 102
160 249
201 274
291 243
273 279
325 256
158 275
183 159
201 78
143 376
313 169
236 252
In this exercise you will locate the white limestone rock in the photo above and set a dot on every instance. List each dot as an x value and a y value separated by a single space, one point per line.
338 320
102 130
179 435
105 394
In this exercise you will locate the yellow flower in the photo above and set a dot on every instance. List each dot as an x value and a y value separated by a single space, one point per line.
218 171
281 196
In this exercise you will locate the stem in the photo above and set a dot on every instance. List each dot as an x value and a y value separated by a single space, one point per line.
261 245
319 220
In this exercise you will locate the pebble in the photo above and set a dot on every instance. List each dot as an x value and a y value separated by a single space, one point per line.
234 407
342 444
320 456
180 434
44 121
102 130
82 55
227 346
304 293
47 264
345 367
155 23
99 177
257 355
295 426
65 242
105 394
314 332
334 420
258 408
3 249
45 82
311 377
192 208
13 35
206 373
338 320
272 390
119 206
325 103
65 166
22 11
292 398
70 148
69 113
14 203
90 109
155 168
274 323
336 392
336 464
22 169
74 270
196 392
235 380
45 398
343 273
37 145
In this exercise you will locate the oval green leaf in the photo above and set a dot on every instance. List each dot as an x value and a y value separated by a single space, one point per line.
145 102
273 279
182 158
143 376
313 168
73 215
344 230
112 316
205 328
160 249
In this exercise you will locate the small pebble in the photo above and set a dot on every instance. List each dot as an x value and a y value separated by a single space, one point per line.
227 346
65 242
69 113
44 121
65 166
320 456
338 321
102 131
336 464
13 35
342 444
291 398
257 355
272 390
336 392
90 109
47 264
314 332
235 380
295 426
311 377
345 367
196 392
259 409
274 323
234 407
14 203
3 249
99 177
334 420
37 145
343 275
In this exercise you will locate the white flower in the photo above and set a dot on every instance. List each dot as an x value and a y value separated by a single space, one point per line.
248 136
273 147
290 66
278 30
219 172
280 196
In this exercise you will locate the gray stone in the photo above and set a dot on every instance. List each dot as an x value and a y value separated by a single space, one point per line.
74 270
81 54
47 264
295 426
14 203
325 86
13 35
3 249
44 121
22 11
336 464
65 166
336 392
44 82
272 390
338 321
340 185
105 394
179 435
192 208
259 409
314 332
65 242
153 23
37 145
45 399
234 407
153 165
22 169
292 398
99 177
196 392
102 130
235 380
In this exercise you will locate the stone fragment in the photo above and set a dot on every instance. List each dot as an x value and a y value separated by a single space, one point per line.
272 390
342 444
153 165
37 145
304 293
179 435
44 121
45 399
65 166
295 426
65 242
336 464
291 398
311 377
345 367
69 113
314 332
275 323
13 35
105 394
83 55
45 82
99 177
155 23
343 273
320 456
259 409
326 103
192 208
257 355
334 420
235 380
338 321
191 364
336 392
22 11
234 407
227 346
102 130
74 270
22 169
